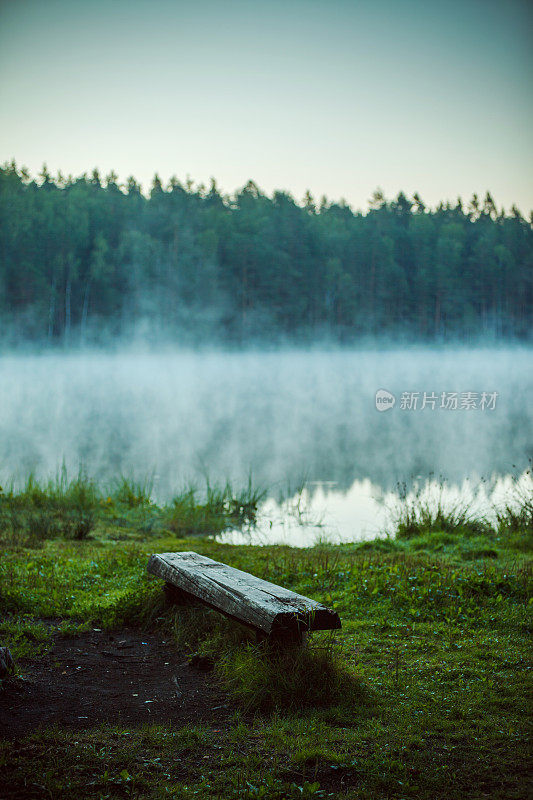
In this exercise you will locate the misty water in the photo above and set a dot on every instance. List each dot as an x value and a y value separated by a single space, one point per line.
301 424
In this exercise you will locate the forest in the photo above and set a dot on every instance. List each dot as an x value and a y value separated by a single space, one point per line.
86 258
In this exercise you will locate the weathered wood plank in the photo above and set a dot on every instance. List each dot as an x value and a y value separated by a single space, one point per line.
260 604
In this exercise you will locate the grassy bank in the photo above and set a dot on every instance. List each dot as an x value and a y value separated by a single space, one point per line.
78 508
423 694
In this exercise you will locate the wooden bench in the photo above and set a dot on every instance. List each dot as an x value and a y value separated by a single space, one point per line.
270 610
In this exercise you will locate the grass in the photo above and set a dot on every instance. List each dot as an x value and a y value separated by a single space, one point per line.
515 519
77 508
425 693
218 510
311 677
421 515
59 508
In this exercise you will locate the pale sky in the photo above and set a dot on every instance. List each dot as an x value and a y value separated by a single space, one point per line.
335 96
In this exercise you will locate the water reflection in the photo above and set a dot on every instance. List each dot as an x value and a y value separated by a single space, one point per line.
323 513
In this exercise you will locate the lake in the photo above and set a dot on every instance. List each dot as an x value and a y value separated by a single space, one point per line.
303 424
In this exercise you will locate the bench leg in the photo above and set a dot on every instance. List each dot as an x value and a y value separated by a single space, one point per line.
286 639
176 596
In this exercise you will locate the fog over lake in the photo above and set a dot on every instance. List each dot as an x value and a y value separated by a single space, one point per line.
288 418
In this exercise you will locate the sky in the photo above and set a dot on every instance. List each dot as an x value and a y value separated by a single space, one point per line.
335 96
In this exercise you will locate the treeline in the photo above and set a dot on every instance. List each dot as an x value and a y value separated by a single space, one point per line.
80 256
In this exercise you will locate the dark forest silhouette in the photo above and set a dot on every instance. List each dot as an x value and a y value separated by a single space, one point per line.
83 254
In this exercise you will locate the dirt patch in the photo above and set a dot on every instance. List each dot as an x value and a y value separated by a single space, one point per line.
125 678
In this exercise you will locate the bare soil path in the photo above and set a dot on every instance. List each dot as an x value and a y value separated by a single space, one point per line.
125 678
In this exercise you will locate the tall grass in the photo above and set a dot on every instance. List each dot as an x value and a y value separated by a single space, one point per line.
61 506
515 517
420 514
214 510
71 508
133 493
260 677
